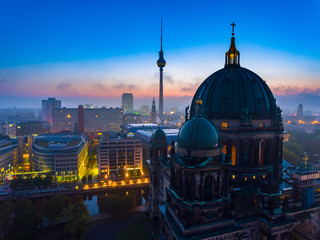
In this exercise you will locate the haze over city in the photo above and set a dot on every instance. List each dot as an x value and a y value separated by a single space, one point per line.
85 53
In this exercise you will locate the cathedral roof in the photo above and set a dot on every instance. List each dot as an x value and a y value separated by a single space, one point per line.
235 92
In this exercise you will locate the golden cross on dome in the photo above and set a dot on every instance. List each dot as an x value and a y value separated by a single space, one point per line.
233 25
306 159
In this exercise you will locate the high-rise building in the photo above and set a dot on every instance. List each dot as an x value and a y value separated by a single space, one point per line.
118 155
300 112
161 63
89 120
48 106
127 102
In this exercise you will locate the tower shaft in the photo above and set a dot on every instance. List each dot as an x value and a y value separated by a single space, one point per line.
161 95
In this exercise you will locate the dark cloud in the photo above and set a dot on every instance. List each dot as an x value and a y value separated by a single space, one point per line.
124 87
167 77
64 86
191 87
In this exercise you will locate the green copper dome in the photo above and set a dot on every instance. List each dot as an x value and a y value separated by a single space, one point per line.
159 138
198 133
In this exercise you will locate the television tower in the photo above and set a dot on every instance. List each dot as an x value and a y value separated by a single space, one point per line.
161 64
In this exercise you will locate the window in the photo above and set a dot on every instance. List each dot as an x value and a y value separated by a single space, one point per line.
233 155
224 125
224 149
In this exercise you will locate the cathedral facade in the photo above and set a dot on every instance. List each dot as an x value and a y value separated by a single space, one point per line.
224 178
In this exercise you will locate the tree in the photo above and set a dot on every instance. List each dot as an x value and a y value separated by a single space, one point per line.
290 157
84 179
24 222
90 178
76 216
294 147
6 216
41 207
55 208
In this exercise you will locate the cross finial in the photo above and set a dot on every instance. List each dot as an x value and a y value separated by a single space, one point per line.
233 25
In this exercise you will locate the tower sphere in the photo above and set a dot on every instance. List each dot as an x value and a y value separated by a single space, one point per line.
161 63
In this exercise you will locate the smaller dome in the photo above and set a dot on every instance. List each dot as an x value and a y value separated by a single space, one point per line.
159 138
199 137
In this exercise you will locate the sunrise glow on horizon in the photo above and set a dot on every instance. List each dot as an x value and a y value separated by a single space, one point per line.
96 52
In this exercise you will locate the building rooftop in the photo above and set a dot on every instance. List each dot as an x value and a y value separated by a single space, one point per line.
58 141
168 132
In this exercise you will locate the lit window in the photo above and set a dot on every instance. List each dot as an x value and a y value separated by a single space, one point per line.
224 125
254 177
224 149
233 155
245 178
68 116
233 176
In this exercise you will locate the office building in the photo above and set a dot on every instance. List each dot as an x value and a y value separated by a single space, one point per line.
118 156
8 129
48 106
32 127
89 120
8 154
127 102
64 154
300 115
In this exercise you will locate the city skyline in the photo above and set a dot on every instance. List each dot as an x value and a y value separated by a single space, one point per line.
93 53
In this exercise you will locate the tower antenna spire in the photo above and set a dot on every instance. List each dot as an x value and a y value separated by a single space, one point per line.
161 36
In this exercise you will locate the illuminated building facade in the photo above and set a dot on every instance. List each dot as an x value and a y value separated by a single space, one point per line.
89 120
127 102
8 154
227 179
118 155
48 106
64 154
8 129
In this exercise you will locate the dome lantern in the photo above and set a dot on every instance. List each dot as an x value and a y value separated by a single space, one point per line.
233 55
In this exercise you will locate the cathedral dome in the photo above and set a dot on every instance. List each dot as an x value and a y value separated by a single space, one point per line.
159 138
235 92
198 137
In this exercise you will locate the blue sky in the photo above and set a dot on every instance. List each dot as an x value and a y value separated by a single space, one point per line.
91 51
